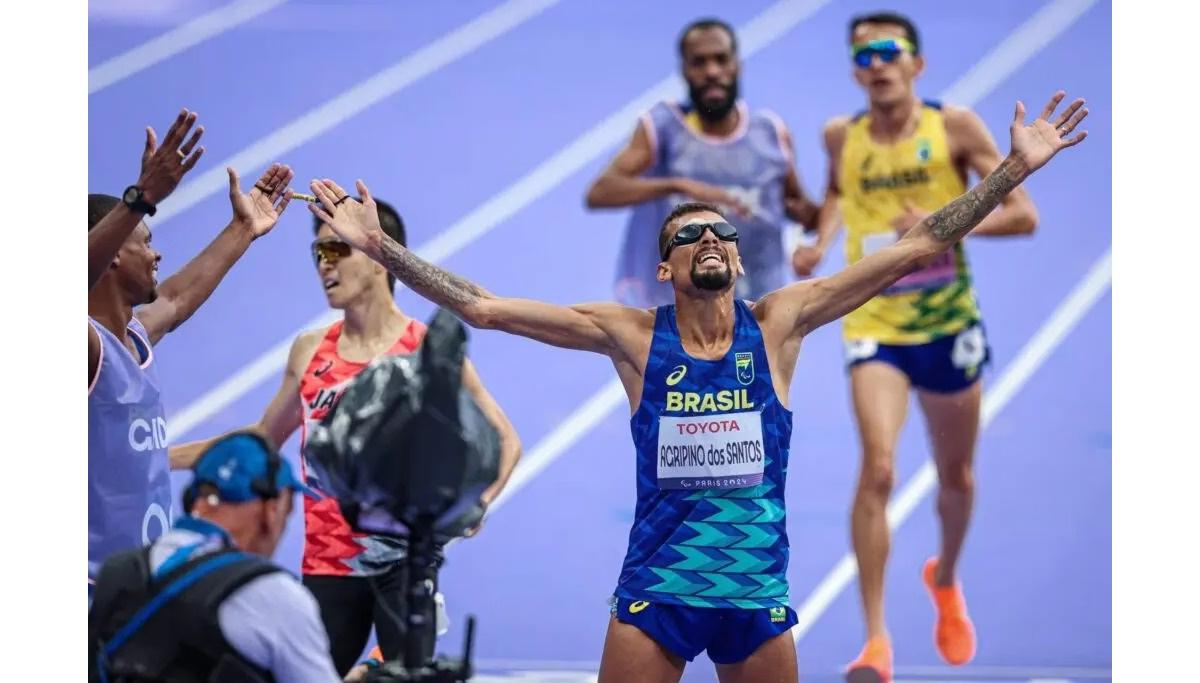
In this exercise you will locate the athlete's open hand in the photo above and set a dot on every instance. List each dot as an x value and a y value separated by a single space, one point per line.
1036 143
355 222
163 166
260 208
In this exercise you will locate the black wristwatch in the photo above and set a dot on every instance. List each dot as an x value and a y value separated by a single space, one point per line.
134 199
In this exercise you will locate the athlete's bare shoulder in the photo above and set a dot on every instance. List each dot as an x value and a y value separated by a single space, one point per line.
971 143
837 124
957 114
833 133
833 136
962 124
303 347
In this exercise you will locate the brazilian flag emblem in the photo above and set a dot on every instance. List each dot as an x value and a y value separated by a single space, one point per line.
778 614
744 364
924 150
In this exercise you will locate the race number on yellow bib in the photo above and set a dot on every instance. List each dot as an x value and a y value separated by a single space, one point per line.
711 451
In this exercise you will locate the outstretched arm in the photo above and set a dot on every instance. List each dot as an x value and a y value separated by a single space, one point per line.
254 214
162 169
586 327
1016 214
974 147
803 307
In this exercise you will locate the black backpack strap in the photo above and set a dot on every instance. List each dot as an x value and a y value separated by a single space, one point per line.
122 573
121 586
186 576
172 628
169 587
204 636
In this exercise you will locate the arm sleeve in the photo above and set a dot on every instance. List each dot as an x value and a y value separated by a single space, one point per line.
274 622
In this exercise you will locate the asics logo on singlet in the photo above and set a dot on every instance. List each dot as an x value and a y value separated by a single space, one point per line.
675 377
148 435
638 606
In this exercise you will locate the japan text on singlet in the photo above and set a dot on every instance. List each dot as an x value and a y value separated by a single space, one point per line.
875 181
129 481
331 547
750 164
712 444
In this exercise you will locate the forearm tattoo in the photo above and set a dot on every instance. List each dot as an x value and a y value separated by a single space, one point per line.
433 283
957 218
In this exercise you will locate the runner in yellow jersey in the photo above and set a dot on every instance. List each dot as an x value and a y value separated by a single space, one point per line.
889 167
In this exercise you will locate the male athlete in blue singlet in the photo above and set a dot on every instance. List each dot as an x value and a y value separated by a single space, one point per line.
707 380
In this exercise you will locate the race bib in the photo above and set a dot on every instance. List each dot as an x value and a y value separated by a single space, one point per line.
860 349
969 349
710 451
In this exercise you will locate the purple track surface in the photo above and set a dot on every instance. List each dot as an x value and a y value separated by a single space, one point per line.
1037 563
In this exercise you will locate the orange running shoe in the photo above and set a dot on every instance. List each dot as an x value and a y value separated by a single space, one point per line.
954 634
874 663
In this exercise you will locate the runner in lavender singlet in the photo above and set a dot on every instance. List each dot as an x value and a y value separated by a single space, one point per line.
129 484
711 148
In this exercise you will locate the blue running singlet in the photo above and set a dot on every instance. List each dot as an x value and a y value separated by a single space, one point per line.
712 444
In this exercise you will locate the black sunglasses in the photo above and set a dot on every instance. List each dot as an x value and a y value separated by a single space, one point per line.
331 249
692 232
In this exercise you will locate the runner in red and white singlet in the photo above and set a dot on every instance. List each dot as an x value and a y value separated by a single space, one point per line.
358 580
331 547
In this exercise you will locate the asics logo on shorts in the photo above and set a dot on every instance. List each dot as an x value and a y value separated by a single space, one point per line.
638 606
677 376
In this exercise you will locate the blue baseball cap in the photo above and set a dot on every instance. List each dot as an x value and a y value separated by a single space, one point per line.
239 466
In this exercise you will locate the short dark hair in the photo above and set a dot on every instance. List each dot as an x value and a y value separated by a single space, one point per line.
910 29
707 22
390 221
98 207
664 235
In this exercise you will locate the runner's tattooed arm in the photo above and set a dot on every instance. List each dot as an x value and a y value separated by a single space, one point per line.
802 307
597 327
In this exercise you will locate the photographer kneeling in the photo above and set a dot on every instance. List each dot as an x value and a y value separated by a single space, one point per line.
204 602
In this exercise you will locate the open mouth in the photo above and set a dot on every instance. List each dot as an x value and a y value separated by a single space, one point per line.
329 283
711 258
